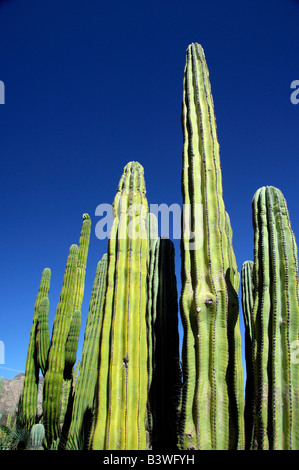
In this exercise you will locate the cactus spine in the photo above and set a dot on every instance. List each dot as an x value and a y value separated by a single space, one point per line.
275 324
85 386
30 386
122 381
212 401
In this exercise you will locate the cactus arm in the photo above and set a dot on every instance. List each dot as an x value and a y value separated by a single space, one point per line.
85 385
82 261
42 335
30 386
56 358
71 344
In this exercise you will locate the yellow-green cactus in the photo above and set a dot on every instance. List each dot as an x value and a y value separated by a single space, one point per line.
275 324
30 387
122 381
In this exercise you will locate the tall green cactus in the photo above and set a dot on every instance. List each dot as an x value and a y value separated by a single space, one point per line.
212 399
164 362
275 324
122 381
65 335
82 411
42 335
82 260
71 344
56 358
30 387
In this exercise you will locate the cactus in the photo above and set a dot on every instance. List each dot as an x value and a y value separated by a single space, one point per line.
212 400
85 387
65 335
71 345
37 435
164 366
122 381
275 324
56 358
42 334
82 260
30 386
247 287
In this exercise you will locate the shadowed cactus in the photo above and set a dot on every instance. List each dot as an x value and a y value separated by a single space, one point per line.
164 362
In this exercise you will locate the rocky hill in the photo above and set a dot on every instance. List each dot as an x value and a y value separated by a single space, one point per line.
11 392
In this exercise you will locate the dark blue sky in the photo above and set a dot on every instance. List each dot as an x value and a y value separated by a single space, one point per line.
90 86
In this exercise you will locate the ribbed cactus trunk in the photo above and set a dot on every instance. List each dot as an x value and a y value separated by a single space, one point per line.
30 386
212 399
83 407
56 359
164 356
42 335
82 261
71 345
65 336
275 324
122 381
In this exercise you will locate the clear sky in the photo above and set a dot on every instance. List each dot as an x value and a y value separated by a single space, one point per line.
90 86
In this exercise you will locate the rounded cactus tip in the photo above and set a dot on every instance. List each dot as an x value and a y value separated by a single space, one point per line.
85 216
133 164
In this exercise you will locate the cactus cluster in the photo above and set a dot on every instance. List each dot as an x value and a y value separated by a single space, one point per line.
133 389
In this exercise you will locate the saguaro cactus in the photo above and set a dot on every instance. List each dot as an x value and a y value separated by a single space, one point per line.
83 406
212 398
275 324
30 386
122 381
